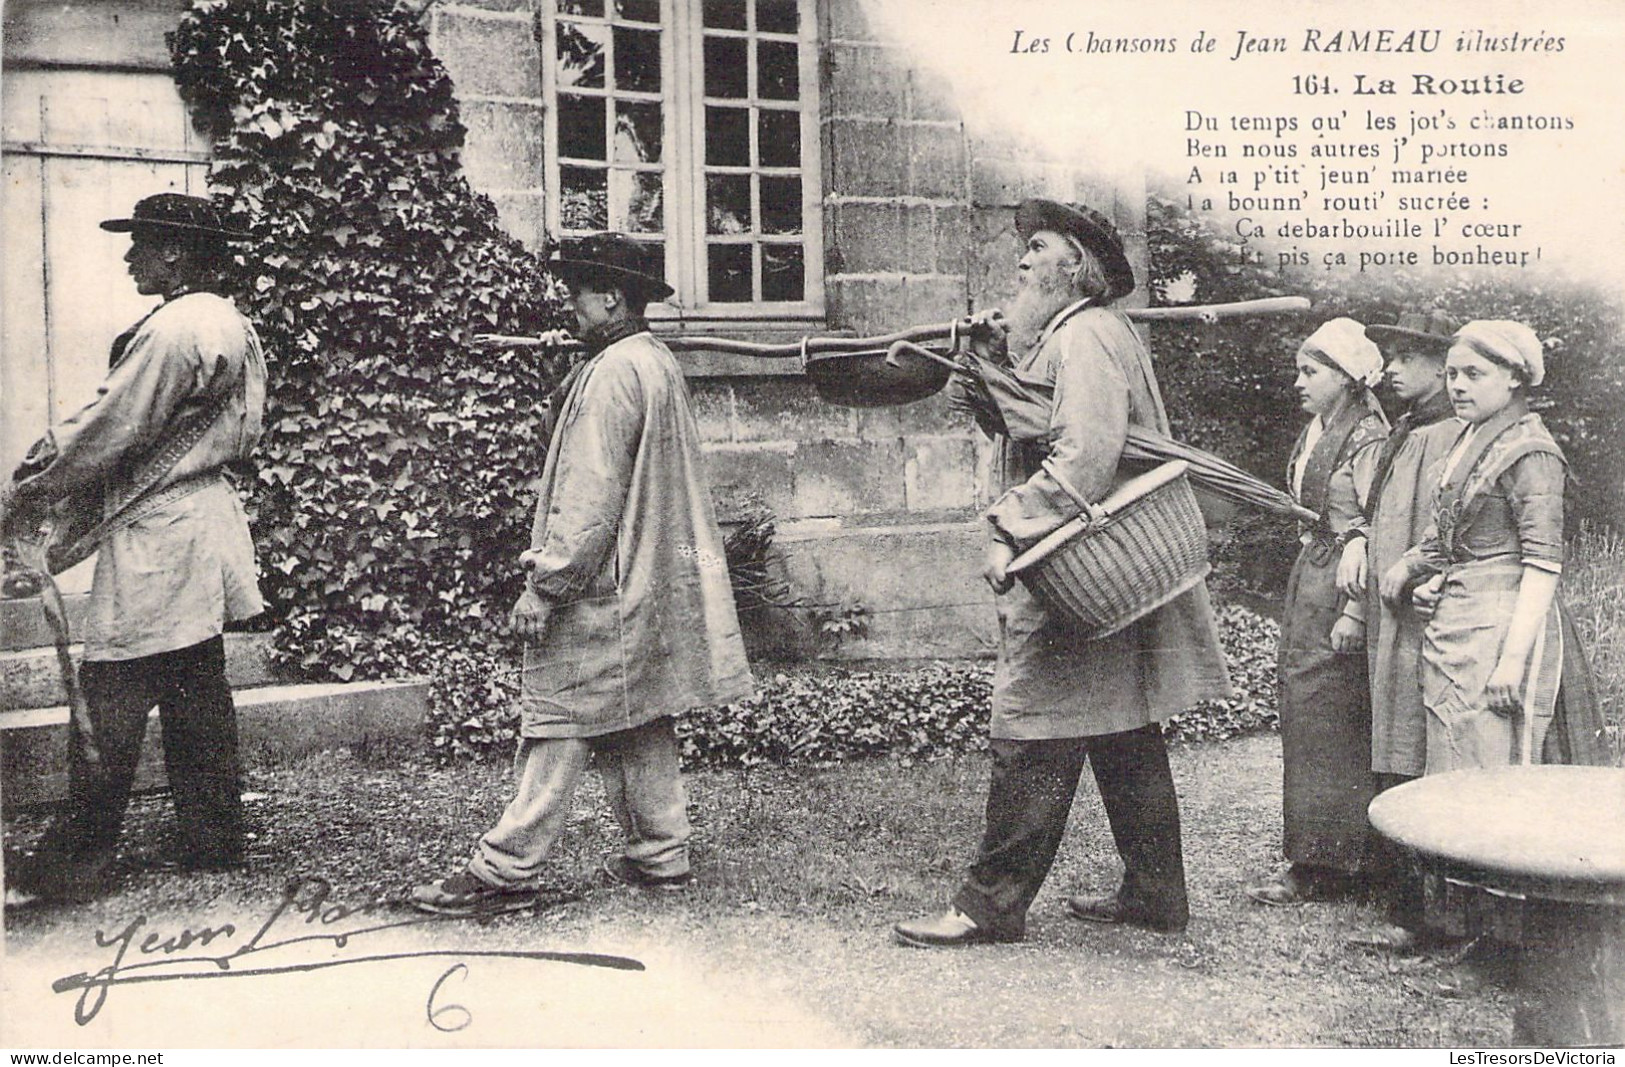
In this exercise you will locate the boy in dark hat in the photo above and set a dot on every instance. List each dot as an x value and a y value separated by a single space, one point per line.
1060 699
627 611
1398 508
136 477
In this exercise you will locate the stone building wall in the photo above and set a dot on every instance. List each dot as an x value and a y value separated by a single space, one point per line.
875 507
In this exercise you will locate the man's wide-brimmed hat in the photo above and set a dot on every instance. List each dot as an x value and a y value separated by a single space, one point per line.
1090 228
1431 330
175 213
610 257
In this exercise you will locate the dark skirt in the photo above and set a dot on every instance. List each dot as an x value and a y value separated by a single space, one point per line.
1578 734
1325 725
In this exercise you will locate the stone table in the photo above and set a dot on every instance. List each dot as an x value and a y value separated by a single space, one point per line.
1539 854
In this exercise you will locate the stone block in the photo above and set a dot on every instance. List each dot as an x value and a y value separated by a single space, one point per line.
953 239
849 20
275 724
936 159
504 150
866 158
939 473
987 486
490 5
743 475
787 409
845 478
1089 189
929 416
918 239
936 298
865 80
1057 181
867 305
847 300
930 96
1138 250
921 585
524 215
489 56
866 238
1001 182
23 625
129 34
713 406
995 250
30 678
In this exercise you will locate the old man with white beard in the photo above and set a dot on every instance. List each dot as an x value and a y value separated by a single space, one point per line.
1058 698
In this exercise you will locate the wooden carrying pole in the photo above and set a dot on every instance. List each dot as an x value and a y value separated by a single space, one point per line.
1278 305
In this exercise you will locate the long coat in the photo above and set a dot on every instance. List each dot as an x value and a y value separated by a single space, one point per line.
1400 510
644 624
184 566
1051 682
1325 695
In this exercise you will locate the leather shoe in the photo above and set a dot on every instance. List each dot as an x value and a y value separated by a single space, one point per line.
948 930
620 870
464 894
1299 885
1111 909
1386 937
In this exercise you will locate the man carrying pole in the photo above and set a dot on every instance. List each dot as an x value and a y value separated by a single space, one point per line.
627 610
1058 698
136 477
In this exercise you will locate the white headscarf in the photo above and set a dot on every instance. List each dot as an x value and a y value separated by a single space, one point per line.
1343 341
1507 342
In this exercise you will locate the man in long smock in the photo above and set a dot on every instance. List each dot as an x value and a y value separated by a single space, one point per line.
136 476
1058 698
1399 506
628 611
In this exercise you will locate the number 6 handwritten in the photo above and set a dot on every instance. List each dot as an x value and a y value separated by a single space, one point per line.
462 1015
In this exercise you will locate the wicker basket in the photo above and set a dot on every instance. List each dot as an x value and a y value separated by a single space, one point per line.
1123 558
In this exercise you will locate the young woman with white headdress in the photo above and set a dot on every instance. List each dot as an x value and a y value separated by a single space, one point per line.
1325 697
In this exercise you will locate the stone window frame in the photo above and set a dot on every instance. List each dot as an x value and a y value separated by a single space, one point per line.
684 206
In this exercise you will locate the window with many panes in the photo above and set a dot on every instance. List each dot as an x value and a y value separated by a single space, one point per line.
692 125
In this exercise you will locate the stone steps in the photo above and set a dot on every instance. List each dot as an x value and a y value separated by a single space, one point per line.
23 626
30 678
275 723
277 718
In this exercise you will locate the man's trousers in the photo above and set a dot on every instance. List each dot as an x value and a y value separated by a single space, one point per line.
189 688
1028 801
642 781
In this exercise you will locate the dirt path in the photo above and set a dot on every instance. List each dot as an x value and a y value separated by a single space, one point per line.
785 942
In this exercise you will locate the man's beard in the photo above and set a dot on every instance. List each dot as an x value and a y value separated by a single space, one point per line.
1035 303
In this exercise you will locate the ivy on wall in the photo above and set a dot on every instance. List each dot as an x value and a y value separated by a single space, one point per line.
394 490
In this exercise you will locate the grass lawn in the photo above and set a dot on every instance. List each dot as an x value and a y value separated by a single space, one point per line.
784 941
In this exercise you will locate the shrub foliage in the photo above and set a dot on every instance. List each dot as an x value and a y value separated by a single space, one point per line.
395 482
1229 388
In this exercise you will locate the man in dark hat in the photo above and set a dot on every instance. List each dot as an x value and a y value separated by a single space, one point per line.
1058 698
1398 509
627 609
136 477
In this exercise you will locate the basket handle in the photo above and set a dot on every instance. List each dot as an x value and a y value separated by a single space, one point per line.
1093 514
1140 485
1085 509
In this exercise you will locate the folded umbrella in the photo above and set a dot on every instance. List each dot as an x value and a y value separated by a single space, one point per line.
1019 407
26 575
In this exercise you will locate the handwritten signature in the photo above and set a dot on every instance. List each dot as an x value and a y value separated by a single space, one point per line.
307 913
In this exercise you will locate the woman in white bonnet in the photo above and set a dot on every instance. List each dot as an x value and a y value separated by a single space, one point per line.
1493 654
1325 687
